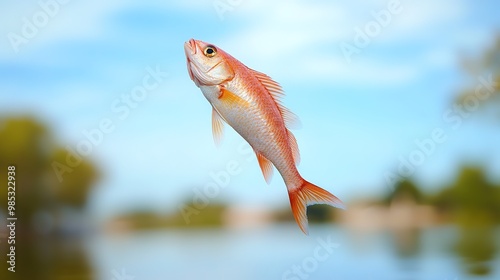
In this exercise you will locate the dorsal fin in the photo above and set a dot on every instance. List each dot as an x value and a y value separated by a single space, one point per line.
276 92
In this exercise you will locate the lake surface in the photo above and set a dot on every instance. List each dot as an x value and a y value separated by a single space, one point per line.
283 252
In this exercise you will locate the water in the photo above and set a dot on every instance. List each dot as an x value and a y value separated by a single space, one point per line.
283 252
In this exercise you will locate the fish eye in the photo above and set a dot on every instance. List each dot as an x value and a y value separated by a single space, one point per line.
210 51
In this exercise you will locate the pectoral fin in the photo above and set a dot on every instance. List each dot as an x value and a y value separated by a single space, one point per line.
231 99
228 98
217 127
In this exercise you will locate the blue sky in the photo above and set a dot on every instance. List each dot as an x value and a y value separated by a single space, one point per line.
357 117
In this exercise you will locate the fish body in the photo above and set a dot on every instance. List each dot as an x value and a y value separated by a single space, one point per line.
249 101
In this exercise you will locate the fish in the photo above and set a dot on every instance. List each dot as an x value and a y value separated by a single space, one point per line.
251 103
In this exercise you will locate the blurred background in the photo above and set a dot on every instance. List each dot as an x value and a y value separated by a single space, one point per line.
117 176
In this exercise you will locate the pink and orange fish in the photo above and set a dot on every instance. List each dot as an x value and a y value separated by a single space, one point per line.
249 101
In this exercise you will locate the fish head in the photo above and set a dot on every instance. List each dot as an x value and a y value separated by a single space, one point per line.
207 65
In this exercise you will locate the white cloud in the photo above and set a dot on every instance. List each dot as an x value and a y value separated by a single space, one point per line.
306 36
373 72
277 29
420 17
76 20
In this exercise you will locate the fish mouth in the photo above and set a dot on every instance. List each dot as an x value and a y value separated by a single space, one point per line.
190 50
190 46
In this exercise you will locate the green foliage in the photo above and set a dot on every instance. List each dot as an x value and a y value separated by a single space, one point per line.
144 219
210 216
192 217
477 247
488 65
471 199
75 186
24 144
28 145
405 189
320 213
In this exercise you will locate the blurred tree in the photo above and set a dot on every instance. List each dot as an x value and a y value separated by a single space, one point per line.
320 213
74 188
29 146
485 73
23 144
406 190
473 191
474 204
476 246
471 199
142 219
192 216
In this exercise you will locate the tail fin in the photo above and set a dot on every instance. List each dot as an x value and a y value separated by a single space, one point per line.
309 194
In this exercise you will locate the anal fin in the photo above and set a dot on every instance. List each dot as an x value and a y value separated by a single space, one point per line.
266 166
